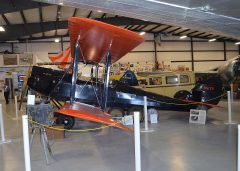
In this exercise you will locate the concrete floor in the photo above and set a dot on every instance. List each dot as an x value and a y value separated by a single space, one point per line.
175 145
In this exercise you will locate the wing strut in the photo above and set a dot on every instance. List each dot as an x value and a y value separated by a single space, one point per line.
106 78
75 71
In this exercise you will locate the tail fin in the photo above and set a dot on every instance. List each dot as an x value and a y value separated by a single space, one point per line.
129 78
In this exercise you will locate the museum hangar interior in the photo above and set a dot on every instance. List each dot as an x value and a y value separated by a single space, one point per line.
119 85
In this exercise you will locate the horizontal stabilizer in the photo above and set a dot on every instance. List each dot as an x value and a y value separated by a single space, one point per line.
90 113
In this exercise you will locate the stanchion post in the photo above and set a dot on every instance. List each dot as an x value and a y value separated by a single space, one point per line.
16 106
238 155
1 124
3 140
137 141
145 113
229 109
26 143
146 129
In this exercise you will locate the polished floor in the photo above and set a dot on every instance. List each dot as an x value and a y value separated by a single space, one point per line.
175 145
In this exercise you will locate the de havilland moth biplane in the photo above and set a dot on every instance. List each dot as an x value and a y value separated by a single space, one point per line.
93 42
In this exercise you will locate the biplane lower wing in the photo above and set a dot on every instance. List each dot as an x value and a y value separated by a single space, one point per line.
90 113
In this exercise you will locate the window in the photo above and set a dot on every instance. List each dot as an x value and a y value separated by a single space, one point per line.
184 79
155 81
172 79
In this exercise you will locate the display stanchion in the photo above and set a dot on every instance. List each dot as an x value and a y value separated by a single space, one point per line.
26 143
229 109
238 153
3 139
146 117
16 107
137 141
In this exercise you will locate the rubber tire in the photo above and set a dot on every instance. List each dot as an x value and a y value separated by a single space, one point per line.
134 109
182 94
120 110
68 121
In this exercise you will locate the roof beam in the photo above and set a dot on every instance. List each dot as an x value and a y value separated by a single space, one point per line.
41 18
15 31
157 26
182 32
162 30
75 12
172 31
5 19
104 15
189 34
18 5
89 15
57 18
25 23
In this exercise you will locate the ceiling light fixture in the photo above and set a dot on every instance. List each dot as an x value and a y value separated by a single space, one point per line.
2 29
142 33
169 4
57 40
99 11
237 43
212 40
183 37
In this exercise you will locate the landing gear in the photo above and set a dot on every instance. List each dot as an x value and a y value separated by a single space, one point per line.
116 112
136 109
68 121
183 94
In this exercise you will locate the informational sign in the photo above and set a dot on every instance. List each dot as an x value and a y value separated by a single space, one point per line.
20 82
152 115
197 116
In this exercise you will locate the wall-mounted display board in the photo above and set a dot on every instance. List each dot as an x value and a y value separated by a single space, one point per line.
10 59
26 59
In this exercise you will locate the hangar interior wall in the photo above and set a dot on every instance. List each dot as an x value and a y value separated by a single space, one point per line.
196 54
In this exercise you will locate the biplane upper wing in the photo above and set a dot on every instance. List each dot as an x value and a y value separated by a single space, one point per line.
95 38
90 113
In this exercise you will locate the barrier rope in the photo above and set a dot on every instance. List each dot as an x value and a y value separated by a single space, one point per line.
178 104
71 130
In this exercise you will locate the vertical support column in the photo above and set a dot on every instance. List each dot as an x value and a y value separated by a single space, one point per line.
75 71
155 54
62 44
26 143
106 78
192 54
137 141
224 50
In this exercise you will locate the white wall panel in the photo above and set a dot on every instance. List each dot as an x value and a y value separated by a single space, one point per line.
148 36
208 45
208 55
231 55
231 46
171 46
175 65
5 46
145 46
137 57
205 66
174 56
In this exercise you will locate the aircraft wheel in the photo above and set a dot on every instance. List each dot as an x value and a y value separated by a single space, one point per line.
68 121
182 94
138 109
116 112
